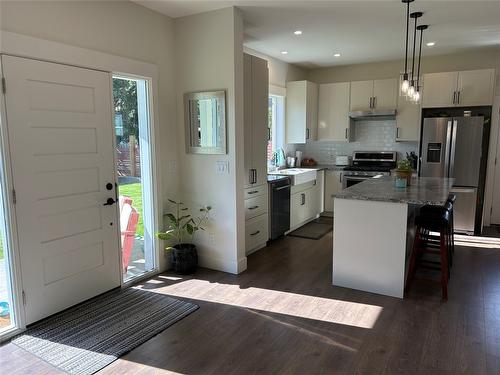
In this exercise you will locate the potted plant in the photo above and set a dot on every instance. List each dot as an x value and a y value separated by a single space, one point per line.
182 228
404 171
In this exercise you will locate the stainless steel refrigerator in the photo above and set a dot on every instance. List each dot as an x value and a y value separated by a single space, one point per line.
452 147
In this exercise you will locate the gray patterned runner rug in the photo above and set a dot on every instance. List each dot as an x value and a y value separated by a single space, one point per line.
87 337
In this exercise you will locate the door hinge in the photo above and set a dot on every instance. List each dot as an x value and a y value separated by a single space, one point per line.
14 196
24 297
4 85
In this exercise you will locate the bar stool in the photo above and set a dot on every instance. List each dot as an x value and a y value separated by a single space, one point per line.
433 219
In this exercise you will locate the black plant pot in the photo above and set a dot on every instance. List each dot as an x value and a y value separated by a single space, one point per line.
184 258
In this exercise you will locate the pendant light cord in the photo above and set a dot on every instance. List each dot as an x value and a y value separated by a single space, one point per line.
419 58
407 32
413 59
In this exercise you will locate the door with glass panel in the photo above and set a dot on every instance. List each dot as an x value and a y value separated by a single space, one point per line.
60 131
133 152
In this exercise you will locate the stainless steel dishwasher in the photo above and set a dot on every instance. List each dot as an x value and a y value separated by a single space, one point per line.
279 206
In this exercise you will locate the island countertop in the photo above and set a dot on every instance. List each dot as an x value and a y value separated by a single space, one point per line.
423 190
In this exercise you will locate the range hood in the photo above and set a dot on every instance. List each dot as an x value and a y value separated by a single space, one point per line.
374 114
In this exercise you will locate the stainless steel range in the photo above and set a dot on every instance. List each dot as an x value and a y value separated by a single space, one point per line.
368 164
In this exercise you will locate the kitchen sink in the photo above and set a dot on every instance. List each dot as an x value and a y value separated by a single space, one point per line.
297 175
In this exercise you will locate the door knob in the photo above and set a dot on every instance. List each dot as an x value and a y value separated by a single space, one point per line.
109 202
109 186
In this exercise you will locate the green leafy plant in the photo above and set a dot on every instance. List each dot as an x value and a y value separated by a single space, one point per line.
404 165
182 226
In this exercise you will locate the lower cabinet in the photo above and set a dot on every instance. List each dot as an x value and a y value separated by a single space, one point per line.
256 218
333 185
306 201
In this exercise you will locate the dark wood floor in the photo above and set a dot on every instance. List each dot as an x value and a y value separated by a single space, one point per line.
282 316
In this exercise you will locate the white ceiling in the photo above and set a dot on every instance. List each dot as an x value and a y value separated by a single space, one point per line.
361 31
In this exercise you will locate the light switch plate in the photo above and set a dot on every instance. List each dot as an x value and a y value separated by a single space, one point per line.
172 166
222 167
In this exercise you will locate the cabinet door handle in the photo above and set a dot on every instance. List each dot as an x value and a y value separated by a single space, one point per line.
307 133
397 132
255 176
370 102
458 97
346 135
253 192
253 207
340 177
303 199
255 233
374 102
454 97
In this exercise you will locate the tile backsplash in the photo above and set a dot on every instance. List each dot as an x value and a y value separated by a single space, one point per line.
369 136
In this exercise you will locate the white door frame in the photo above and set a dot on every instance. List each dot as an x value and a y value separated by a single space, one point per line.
40 49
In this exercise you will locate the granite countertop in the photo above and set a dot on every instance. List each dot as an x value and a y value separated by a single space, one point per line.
423 190
321 167
276 177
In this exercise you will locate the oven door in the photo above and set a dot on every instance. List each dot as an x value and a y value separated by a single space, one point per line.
349 181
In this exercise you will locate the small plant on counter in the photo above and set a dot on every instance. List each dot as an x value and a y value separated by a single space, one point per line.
182 228
404 170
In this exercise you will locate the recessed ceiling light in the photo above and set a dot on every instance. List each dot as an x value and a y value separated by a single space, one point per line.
298 32
337 55
284 52
431 44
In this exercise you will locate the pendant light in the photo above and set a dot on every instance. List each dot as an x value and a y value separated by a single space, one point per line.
406 83
416 95
411 89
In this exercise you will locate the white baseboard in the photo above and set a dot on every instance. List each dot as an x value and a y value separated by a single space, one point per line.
218 264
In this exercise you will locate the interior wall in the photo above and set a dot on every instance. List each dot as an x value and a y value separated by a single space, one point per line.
119 28
209 56
478 58
280 72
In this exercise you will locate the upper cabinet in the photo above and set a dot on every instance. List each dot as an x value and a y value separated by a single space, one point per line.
301 111
378 94
333 112
407 121
255 114
458 89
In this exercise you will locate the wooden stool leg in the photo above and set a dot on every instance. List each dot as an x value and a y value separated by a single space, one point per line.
413 257
444 265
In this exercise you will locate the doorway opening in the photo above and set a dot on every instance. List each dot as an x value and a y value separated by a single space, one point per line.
135 178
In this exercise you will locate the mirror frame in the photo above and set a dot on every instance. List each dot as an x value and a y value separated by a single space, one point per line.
220 96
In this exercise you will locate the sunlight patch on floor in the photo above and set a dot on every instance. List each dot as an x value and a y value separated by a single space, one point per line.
475 241
273 301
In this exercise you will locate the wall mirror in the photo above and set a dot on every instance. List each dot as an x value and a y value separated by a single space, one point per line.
205 122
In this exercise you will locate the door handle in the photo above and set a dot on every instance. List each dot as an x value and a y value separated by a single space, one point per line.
397 132
253 192
109 202
307 133
458 97
340 177
374 102
454 97
253 207
303 199
346 133
255 176
255 233
370 102
282 187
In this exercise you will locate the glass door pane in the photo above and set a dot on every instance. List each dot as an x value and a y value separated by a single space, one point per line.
133 158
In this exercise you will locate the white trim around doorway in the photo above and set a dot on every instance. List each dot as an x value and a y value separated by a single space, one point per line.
40 49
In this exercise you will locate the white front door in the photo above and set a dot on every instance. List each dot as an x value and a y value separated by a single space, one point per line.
59 120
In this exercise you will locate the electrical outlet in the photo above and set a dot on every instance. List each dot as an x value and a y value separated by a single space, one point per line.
222 167
211 237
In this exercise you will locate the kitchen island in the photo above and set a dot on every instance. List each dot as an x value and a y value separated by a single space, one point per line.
374 228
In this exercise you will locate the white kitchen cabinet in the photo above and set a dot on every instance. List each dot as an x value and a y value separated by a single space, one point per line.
301 122
439 89
256 96
333 112
361 95
476 87
377 94
255 115
458 89
333 185
385 93
306 201
407 121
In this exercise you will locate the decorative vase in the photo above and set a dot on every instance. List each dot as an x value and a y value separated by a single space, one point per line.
403 173
184 258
